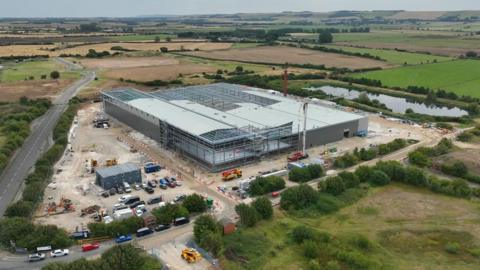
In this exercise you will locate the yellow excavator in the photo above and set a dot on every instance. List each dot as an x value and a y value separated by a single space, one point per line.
191 255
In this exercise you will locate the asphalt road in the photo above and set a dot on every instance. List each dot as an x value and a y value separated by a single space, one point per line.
14 174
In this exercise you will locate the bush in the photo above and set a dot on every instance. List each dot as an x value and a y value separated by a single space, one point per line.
363 173
299 175
264 185
452 248
195 203
327 203
20 209
55 75
379 178
350 180
248 215
333 185
263 206
204 224
315 171
419 158
415 176
332 265
116 228
302 233
166 214
298 197
394 169
345 161
310 249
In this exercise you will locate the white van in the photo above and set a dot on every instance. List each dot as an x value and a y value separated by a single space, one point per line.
127 187
124 198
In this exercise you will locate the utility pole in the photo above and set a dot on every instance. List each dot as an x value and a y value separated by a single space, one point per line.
305 108
285 82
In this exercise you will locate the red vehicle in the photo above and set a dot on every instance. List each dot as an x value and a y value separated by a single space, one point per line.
88 247
275 194
297 156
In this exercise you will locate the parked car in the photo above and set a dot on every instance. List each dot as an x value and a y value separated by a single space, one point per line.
172 184
180 198
162 227
123 238
112 192
163 186
138 212
152 184
181 220
179 183
119 190
154 200
144 185
135 204
149 190
88 247
105 194
144 231
127 187
123 198
137 187
36 257
59 252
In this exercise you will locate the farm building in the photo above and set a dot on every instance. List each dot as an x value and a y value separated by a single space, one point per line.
220 126
113 176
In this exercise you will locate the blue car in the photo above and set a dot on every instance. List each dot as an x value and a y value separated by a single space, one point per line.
123 238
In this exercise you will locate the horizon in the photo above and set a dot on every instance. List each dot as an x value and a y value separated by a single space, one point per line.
149 8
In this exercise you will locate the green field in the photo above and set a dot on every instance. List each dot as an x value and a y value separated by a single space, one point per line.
245 45
127 38
461 76
399 227
396 57
23 71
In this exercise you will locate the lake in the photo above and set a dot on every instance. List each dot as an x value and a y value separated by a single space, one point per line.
396 104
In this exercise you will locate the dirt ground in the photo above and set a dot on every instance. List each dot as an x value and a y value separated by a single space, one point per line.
32 89
417 15
281 55
128 62
72 181
143 46
25 50
468 156
164 72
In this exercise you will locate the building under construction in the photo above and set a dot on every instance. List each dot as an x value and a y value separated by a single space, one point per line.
221 126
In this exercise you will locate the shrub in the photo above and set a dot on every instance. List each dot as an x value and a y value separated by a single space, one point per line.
379 178
327 203
55 75
116 228
298 197
264 185
302 233
350 180
202 225
333 185
263 206
415 176
195 203
248 214
166 214
315 171
332 265
363 173
20 209
299 175
452 248
310 249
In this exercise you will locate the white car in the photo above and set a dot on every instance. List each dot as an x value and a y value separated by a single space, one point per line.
138 212
179 183
59 252
124 198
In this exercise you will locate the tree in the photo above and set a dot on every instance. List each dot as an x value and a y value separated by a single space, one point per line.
418 158
415 176
248 215
168 39
263 185
204 224
379 178
363 173
212 242
315 170
302 233
299 175
350 180
164 49
55 75
264 208
393 169
157 39
239 69
471 54
333 185
325 37
166 214
20 209
195 203
298 197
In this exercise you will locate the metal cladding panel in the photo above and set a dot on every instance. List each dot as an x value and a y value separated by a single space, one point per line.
330 134
133 120
109 182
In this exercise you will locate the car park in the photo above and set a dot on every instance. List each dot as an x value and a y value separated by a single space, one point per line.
36 257
123 238
89 247
162 227
59 253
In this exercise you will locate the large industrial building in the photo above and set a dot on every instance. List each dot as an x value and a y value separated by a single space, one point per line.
220 126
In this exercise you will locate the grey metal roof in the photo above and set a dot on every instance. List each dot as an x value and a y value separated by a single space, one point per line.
117 169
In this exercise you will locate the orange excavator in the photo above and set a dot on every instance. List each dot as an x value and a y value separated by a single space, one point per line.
231 174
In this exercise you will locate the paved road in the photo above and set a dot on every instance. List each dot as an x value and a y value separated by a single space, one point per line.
14 174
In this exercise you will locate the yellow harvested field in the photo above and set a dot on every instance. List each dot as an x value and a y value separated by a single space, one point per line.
166 72
128 62
25 50
143 46
32 89
281 55
417 15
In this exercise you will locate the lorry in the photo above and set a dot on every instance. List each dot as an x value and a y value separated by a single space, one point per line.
191 255
123 214
231 174
297 156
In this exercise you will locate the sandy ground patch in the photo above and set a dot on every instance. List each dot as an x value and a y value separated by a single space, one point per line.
32 89
281 55
167 72
128 62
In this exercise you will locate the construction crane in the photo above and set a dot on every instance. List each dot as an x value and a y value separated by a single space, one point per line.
301 154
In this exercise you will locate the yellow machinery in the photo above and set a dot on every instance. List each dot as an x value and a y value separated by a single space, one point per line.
111 162
191 255
231 174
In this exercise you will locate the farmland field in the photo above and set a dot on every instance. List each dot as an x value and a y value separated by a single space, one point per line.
128 62
441 44
281 55
407 228
23 71
396 57
460 76
127 38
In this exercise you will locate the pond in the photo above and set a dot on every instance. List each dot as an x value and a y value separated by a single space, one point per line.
396 104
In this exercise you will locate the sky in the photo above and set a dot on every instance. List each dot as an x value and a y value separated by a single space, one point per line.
131 8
